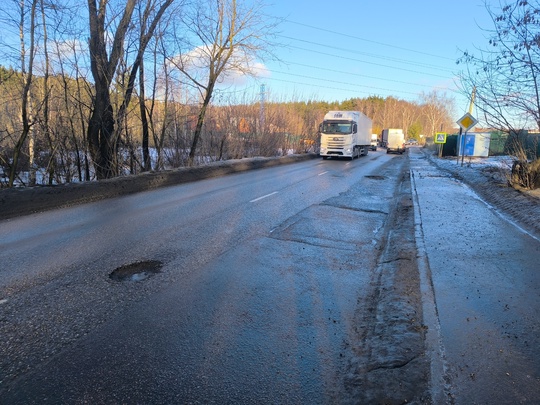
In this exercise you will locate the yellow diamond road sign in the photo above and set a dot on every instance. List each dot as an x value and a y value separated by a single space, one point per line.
467 122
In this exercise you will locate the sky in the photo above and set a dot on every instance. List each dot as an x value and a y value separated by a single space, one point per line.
338 50
334 51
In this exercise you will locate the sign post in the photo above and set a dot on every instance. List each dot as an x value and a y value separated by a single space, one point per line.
440 139
465 123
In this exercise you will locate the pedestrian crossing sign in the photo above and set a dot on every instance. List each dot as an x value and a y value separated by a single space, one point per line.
440 137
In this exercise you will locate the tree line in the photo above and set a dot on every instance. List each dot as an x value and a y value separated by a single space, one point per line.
137 93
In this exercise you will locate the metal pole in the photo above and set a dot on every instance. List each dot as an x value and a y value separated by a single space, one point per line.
458 145
463 153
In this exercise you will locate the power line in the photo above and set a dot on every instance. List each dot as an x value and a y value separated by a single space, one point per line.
370 63
342 89
369 54
353 74
338 82
368 40
401 65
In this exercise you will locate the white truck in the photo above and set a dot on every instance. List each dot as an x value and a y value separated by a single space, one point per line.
345 134
374 141
394 140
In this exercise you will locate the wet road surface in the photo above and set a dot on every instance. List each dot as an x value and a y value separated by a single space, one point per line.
486 284
262 297
308 292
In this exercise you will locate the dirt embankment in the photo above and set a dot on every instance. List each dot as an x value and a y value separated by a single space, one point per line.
23 201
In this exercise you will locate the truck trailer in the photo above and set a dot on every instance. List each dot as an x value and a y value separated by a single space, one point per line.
394 140
345 134
374 141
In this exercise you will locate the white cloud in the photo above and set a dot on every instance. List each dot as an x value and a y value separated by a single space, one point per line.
239 71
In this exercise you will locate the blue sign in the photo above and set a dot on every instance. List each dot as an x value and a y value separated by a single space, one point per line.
469 145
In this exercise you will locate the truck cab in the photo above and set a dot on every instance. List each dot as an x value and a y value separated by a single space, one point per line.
344 134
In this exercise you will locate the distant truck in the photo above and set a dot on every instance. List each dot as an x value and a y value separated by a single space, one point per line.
345 134
394 140
374 141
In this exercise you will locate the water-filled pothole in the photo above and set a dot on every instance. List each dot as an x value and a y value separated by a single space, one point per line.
376 177
137 271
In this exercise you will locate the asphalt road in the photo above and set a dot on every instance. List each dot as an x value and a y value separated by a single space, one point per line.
381 280
269 292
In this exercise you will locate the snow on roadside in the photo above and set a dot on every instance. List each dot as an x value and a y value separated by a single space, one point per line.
488 177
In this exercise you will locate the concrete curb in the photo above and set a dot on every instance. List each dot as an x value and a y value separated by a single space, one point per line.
24 201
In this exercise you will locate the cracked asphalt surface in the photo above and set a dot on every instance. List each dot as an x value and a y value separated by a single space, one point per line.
320 296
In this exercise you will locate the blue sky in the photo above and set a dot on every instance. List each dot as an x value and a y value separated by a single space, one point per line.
339 50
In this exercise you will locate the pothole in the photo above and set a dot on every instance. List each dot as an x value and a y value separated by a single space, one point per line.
376 177
137 271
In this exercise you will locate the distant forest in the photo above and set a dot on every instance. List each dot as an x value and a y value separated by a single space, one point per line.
60 150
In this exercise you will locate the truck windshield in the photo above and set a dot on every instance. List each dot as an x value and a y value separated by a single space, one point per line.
337 127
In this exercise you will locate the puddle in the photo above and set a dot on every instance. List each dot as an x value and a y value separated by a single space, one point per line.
137 271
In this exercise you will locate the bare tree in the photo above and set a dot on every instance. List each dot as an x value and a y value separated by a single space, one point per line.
506 79
149 19
104 128
27 67
435 110
506 74
224 37
100 130
391 113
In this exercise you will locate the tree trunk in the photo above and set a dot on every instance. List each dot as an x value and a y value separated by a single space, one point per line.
102 142
200 121
28 76
147 164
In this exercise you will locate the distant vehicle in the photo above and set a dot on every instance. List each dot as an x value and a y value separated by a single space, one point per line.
374 141
345 134
394 140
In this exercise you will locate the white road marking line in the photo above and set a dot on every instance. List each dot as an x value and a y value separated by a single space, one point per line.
264 196
320 174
